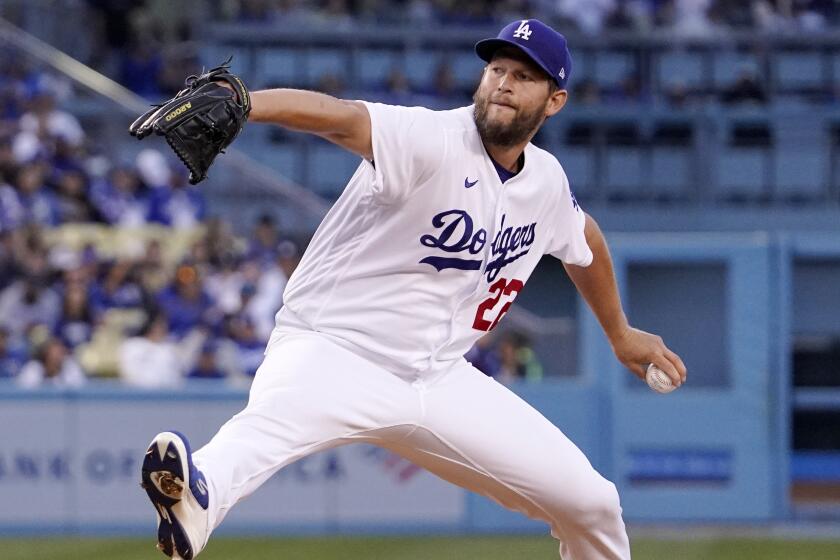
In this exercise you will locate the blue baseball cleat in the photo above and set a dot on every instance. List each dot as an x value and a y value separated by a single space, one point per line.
179 493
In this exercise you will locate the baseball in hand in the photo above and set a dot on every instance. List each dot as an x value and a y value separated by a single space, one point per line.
658 380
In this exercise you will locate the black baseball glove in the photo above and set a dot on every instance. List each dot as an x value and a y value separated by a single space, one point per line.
201 121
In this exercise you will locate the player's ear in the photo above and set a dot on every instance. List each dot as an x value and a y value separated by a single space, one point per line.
556 101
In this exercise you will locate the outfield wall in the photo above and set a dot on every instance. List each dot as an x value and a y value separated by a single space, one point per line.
69 463
716 450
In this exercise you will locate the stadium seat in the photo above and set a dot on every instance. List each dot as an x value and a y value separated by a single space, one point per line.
744 167
286 158
741 173
675 67
76 236
329 168
611 68
799 172
834 158
583 66
576 149
123 242
624 163
321 62
797 70
835 64
420 67
671 172
624 172
373 65
175 243
252 138
213 55
279 66
672 153
729 65
466 67
800 155
578 163
790 101
100 356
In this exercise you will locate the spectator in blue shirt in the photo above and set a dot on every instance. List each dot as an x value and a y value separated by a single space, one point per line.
185 302
72 202
11 358
119 200
11 212
263 245
76 323
36 203
484 357
27 302
179 205
207 366
247 345
118 289
67 156
141 67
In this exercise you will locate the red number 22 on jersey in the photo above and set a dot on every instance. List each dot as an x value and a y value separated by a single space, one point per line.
499 288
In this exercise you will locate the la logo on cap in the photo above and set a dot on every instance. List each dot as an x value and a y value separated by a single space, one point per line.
562 74
523 31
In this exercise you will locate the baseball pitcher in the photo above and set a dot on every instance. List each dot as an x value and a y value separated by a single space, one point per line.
432 239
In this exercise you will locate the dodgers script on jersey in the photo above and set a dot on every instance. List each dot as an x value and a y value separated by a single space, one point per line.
426 249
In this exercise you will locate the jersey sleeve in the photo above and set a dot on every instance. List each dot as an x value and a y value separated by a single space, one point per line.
408 146
569 242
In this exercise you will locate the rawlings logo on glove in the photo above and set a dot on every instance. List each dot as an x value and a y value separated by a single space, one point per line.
201 120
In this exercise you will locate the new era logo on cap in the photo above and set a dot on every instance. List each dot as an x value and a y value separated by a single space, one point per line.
545 46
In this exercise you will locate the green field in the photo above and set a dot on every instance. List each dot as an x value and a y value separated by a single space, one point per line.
437 548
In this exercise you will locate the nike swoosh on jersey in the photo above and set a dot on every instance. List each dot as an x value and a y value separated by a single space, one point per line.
468 184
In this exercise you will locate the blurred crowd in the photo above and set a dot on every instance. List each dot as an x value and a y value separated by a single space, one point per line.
148 46
690 17
114 269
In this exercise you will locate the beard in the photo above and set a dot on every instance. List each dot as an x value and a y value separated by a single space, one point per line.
505 135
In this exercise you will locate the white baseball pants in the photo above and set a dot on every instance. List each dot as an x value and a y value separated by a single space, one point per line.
311 394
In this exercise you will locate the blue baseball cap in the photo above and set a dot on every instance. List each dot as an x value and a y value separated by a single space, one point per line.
546 47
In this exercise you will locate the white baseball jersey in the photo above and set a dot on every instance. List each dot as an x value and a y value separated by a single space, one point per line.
426 249
422 254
